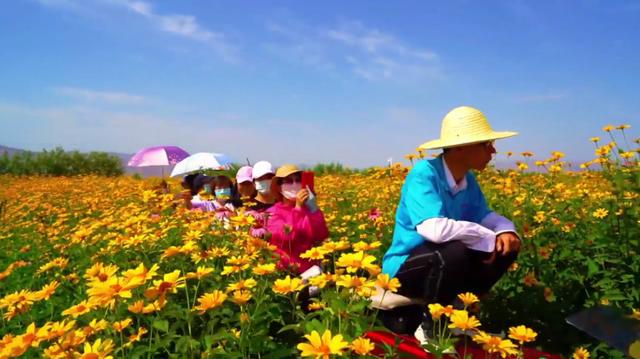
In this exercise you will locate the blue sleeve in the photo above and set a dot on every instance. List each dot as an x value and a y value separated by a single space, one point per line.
421 198
481 209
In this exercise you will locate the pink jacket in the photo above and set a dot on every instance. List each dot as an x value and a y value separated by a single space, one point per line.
294 231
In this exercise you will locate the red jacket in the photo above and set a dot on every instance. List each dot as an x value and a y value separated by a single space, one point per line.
294 231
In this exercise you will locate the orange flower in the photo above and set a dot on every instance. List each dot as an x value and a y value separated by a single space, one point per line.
362 346
121 325
385 283
522 334
78 309
241 297
210 301
287 285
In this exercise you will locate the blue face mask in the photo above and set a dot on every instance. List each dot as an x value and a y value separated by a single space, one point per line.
207 188
223 192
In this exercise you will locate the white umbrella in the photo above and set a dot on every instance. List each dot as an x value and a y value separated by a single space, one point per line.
201 161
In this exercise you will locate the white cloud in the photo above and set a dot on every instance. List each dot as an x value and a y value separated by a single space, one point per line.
371 54
100 96
182 25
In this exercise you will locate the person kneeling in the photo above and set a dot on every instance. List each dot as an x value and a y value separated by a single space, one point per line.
446 240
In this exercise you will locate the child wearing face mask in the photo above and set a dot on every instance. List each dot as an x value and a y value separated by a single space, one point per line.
224 194
295 224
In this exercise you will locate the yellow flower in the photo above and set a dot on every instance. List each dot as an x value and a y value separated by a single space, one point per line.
241 297
210 301
137 336
581 353
315 253
243 284
436 310
607 128
263 269
468 298
522 166
360 284
364 246
192 235
106 293
321 280
141 272
622 127
316 306
99 350
627 155
594 139
494 344
362 346
136 307
636 314
322 347
355 261
287 285
121 325
539 217
600 213
78 309
94 327
385 283
47 291
200 273
226 270
170 282
460 319
522 334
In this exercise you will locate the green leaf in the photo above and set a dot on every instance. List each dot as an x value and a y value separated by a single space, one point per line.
161 324
294 327
592 268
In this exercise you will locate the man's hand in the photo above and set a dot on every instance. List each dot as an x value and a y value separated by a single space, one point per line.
506 243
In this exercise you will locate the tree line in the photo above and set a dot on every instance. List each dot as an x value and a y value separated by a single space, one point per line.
58 162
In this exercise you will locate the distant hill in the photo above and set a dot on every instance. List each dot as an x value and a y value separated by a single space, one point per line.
9 150
124 159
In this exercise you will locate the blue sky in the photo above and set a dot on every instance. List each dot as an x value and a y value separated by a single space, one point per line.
299 81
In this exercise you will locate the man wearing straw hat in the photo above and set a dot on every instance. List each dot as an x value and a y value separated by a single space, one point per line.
446 240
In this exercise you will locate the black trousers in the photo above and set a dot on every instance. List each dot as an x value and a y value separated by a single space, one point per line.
437 273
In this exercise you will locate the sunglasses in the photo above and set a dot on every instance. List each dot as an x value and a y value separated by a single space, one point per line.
296 178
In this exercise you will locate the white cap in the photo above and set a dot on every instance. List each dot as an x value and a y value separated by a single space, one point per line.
262 168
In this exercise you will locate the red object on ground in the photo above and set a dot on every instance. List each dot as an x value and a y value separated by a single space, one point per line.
410 348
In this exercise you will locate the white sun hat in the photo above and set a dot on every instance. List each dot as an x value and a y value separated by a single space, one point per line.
464 125
262 168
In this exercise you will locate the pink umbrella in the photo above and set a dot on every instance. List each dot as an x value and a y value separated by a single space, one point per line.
158 156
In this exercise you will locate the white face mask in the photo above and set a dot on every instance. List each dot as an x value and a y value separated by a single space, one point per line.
290 190
263 186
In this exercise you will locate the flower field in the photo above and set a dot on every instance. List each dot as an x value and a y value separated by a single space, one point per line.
94 267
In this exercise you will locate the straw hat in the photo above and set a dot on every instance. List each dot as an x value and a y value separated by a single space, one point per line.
464 125
286 170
